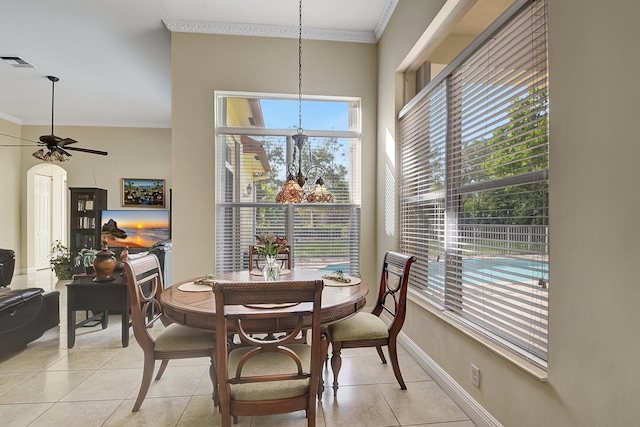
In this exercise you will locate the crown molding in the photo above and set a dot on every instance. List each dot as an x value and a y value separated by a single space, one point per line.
258 30
9 118
385 16
263 30
98 124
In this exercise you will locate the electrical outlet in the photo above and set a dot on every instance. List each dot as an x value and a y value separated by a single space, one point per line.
475 376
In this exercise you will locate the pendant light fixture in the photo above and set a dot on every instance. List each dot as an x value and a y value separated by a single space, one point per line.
292 191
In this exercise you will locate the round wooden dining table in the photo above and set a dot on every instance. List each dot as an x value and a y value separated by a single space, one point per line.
193 305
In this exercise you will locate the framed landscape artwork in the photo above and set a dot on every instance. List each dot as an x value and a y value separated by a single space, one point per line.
143 193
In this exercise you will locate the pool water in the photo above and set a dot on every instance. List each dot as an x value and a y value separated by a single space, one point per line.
510 270
345 268
477 271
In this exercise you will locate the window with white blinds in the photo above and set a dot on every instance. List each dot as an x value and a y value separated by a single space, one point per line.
252 160
475 186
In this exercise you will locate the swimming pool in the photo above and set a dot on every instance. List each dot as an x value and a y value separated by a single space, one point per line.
494 270
345 267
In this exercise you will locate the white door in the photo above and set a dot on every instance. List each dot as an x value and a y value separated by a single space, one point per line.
42 219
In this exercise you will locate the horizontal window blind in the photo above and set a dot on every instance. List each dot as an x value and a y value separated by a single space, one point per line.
495 260
423 133
323 236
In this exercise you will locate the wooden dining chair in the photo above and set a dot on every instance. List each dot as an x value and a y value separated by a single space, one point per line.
144 280
368 329
266 377
283 256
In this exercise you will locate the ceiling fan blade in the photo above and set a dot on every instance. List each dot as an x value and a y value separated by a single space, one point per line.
20 138
87 150
66 141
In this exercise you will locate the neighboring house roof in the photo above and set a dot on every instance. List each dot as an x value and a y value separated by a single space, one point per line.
260 163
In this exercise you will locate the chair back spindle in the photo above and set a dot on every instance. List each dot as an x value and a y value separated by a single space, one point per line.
394 280
145 289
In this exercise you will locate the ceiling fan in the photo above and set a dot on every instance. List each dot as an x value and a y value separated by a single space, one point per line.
58 148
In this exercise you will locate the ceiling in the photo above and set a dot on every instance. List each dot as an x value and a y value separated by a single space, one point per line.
113 56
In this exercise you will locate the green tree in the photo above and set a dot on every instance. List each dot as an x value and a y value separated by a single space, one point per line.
331 155
517 148
328 153
520 146
266 189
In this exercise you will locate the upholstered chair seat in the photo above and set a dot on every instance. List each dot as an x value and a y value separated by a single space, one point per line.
362 326
182 338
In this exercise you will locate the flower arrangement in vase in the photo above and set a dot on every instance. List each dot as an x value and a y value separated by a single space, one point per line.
269 245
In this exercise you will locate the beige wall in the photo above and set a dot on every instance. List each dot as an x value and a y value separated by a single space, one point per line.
595 148
592 374
133 153
409 21
202 64
10 190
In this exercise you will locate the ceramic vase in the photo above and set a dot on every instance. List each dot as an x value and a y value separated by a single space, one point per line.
104 264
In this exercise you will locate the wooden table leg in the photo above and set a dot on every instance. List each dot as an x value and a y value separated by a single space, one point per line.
105 319
71 328
125 327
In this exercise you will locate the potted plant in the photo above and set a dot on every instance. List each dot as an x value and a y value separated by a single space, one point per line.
86 256
60 260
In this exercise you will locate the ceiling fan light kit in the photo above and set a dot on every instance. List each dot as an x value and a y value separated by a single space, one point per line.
50 156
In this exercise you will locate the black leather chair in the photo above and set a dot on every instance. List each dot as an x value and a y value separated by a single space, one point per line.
25 314
7 266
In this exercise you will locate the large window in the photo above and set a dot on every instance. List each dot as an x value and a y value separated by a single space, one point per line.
254 152
475 187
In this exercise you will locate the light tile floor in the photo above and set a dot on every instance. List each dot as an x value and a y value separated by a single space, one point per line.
95 384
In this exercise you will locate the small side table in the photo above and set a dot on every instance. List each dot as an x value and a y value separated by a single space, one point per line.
100 297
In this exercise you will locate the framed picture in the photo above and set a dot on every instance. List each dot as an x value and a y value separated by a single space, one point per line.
143 193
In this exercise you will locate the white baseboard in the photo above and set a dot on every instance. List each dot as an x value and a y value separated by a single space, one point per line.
459 395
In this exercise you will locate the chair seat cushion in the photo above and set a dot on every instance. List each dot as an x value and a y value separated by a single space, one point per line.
178 337
269 363
362 326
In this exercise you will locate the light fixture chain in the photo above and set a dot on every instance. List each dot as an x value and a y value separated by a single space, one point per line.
300 69
293 190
